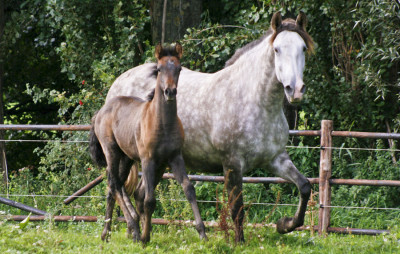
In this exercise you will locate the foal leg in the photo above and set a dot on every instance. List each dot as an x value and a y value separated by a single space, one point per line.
234 183
108 218
139 195
149 182
124 170
178 169
115 183
283 166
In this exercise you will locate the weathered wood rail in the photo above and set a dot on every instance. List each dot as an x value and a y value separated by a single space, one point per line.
324 180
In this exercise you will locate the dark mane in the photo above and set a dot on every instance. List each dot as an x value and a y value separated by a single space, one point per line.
287 25
150 96
168 51
154 72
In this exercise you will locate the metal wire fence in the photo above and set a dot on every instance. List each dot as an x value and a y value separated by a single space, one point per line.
293 133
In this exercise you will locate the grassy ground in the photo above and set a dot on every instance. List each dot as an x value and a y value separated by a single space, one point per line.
47 237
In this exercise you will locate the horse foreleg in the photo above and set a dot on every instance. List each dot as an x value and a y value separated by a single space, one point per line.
178 169
283 166
149 183
108 218
234 183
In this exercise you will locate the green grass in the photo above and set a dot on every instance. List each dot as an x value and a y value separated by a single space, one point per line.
47 237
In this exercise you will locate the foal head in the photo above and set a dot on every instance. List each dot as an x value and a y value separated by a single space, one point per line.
290 42
168 68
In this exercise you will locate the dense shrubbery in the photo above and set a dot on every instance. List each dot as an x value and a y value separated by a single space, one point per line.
353 79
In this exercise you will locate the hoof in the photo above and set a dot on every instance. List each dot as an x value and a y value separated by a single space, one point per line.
105 236
136 238
285 225
201 229
145 240
204 237
239 238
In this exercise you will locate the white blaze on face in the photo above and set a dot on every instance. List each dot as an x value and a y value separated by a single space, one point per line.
290 51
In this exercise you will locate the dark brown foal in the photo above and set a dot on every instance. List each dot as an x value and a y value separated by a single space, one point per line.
128 130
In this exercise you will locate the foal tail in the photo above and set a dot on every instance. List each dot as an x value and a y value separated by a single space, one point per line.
132 180
96 152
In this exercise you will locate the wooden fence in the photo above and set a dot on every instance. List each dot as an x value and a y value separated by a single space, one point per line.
324 180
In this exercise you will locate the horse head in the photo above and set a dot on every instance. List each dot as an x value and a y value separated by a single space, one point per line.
168 68
290 42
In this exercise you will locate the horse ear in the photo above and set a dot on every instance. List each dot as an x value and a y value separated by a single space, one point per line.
178 49
157 51
301 20
276 21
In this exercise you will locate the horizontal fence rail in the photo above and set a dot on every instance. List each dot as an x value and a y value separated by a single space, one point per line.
44 127
156 221
325 181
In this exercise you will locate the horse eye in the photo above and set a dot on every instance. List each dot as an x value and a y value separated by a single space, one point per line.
276 50
304 49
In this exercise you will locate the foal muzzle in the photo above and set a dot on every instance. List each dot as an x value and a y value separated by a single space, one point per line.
170 94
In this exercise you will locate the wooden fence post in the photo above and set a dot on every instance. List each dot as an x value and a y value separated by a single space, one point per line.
325 172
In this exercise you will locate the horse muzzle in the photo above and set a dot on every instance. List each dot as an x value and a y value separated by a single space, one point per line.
295 95
170 94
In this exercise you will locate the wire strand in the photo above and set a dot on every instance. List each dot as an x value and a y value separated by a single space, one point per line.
362 207
211 201
44 140
296 147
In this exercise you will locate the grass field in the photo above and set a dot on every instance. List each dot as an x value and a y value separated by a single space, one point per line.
50 237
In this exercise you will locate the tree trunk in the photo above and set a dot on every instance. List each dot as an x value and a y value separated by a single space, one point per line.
2 144
179 16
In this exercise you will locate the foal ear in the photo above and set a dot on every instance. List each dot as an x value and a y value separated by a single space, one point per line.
301 20
157 51
276 21
178 49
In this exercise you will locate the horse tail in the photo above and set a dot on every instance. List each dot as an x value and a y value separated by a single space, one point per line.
132 180
96 152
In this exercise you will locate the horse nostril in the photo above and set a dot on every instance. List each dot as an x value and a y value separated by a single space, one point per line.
303 89
288 89
170 91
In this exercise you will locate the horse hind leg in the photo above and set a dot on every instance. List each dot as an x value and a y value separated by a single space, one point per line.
110 208
178 168
108 219
130 185
283 166
116 178
128 173
234 186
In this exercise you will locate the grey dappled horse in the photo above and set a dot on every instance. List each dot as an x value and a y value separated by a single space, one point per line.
233 119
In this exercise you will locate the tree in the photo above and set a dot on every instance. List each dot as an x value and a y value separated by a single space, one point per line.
2 145
179 15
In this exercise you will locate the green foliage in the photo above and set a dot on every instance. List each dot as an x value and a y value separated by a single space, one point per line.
171 196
